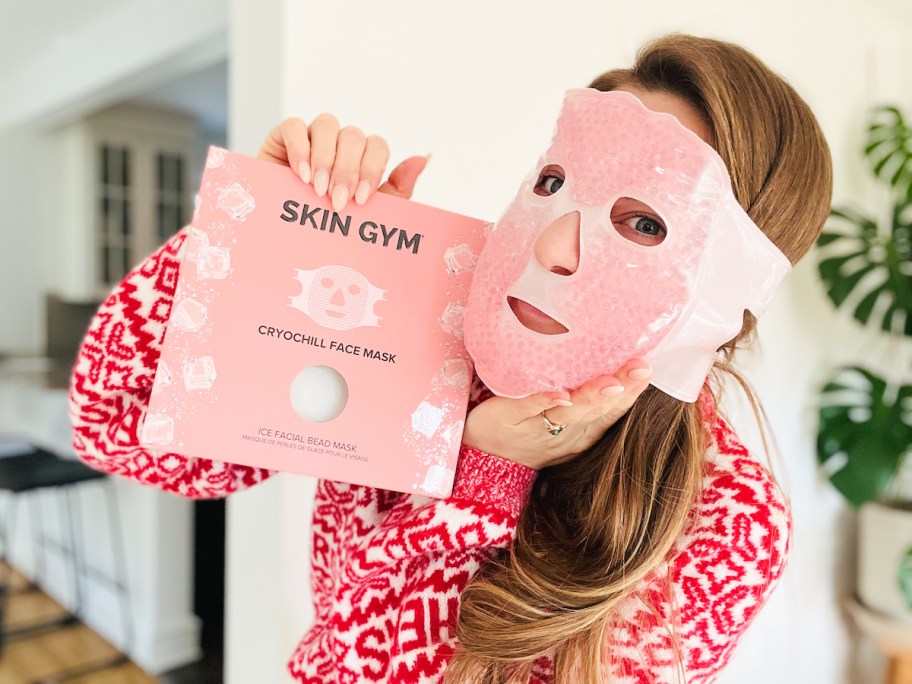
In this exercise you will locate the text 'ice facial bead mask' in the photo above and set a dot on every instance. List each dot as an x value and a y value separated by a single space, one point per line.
621 287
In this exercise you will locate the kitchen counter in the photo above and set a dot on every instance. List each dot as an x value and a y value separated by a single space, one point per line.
157 528
33 402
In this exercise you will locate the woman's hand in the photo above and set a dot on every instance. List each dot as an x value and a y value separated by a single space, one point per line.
514 428
342 163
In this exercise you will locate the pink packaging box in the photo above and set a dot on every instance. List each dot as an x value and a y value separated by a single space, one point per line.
309 341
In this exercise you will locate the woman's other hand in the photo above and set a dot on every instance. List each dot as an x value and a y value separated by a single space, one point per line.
514 428
341 163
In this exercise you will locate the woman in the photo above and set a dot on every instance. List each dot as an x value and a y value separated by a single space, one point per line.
635 545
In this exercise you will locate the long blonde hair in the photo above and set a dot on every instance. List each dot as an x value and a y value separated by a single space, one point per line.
598 524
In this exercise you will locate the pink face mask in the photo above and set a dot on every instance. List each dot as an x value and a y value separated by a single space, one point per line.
662 260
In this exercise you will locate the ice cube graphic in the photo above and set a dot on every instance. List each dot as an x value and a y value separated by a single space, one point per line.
459 259
453 434
199 372
438 480
236 201
196 240
189 315
162 376
427 418
452 319
215 157
213 263
158 429
455 372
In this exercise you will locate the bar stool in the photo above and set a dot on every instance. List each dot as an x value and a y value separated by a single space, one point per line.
25 468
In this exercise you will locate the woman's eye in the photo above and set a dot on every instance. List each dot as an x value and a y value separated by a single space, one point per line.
644 230
649 226
638 222
549 181
548 185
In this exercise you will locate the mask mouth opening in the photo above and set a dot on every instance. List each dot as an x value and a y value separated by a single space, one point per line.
534 319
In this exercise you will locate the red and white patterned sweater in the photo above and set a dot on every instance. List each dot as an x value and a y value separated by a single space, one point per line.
388 568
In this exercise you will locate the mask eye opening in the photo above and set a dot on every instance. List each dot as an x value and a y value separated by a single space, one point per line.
550 180
637 222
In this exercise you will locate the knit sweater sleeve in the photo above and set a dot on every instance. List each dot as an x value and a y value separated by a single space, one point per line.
112 380
388 570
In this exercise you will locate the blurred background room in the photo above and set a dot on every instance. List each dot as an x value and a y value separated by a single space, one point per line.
107 108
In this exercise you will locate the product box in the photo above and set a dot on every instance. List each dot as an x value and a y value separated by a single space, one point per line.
315 342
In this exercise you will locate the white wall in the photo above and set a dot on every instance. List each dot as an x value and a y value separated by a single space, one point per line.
267 527
479 85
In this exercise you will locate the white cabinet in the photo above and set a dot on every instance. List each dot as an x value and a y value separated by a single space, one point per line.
128 188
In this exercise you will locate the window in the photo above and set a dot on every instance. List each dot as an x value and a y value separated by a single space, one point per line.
113 214
172 196
138 184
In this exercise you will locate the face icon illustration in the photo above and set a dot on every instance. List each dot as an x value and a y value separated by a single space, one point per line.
337 297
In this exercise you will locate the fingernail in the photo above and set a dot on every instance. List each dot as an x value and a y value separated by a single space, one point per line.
428 157
321 182
562 402
640 373
304 171
362 191
339 197
613 390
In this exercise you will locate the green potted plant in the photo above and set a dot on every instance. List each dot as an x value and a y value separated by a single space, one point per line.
865 418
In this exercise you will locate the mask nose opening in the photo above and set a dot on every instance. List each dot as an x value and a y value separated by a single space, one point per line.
557 249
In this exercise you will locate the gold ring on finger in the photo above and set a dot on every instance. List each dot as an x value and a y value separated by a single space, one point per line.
553 428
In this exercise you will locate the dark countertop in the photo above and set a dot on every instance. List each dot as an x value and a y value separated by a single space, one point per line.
37 371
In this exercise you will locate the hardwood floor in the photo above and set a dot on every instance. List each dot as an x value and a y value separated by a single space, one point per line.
71 649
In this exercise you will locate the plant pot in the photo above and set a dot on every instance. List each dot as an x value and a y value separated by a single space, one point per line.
885 559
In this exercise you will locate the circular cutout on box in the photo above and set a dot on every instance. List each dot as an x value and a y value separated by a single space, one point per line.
319 394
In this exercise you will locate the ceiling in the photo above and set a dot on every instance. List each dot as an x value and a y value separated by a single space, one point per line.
30 28
33 30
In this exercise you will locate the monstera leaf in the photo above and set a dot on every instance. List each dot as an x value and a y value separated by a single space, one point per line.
866 425
855 254
865 429
890 150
